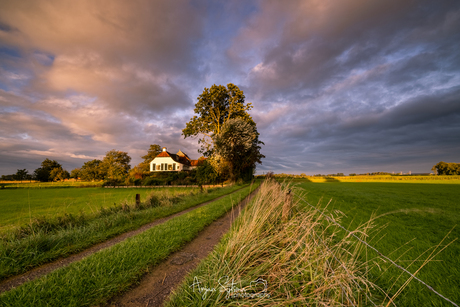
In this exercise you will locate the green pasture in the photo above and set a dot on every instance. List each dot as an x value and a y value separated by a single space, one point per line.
43 185
412 219
19 206
98 277
379 178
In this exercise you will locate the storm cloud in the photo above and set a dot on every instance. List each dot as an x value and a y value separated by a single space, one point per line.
349 86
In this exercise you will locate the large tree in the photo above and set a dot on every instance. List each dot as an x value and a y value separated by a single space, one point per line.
43 173
59 174
228 135
214 108
21 174
92 170
116 164
239 146
443 168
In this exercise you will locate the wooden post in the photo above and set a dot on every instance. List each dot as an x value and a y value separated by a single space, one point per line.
138 200
287 206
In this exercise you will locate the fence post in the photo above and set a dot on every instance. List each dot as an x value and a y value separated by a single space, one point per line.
287 206
138 200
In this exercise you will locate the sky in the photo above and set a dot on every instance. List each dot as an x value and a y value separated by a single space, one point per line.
349 86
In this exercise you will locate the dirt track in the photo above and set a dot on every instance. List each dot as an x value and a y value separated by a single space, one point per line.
18 280
155 287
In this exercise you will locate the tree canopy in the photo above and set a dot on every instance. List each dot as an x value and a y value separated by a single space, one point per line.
22 174
215 106
92 170
443 168
152 152
238 144
59 173
43 173
116 164
228 134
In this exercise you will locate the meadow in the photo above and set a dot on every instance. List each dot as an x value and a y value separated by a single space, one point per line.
307 260
20 206
374 178
47 238
53 184
98 277
409 221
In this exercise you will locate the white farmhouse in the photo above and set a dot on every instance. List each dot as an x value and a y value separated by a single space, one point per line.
167 161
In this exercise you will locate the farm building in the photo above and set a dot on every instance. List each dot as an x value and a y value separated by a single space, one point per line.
167 161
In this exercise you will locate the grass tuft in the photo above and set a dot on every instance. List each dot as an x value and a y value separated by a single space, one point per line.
266 261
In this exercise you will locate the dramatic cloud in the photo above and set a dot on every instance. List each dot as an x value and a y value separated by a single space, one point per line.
337 86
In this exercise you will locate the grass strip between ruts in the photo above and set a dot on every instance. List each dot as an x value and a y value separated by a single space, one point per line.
98 277
22 255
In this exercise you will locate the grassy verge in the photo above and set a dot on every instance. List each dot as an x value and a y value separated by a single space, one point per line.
48 240
267 261
412 219
96 278
19 207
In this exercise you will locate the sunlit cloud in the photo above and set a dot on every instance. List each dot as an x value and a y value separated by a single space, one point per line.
343 86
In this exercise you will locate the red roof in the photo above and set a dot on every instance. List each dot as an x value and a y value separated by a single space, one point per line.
164 154
181 157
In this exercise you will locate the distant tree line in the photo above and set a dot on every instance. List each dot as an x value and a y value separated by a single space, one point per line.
20 175
50 170
443 168
115 169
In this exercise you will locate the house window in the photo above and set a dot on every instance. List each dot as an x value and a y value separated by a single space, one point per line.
153 166
162 166
158 167
174 166
169 167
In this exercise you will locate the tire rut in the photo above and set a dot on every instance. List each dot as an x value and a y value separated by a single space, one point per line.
156 286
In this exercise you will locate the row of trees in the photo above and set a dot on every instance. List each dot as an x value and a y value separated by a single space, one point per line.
50 170
113 167
20 175
226 132
443 168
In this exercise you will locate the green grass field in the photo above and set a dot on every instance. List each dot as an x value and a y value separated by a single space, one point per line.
98 277
451 179
47 239
18 206
42 185
421 212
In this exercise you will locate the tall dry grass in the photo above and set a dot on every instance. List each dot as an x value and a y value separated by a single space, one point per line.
271 259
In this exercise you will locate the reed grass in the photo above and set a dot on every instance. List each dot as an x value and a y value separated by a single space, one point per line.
413 220
265 261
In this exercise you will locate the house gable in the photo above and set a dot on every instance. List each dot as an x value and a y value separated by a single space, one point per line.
166 161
